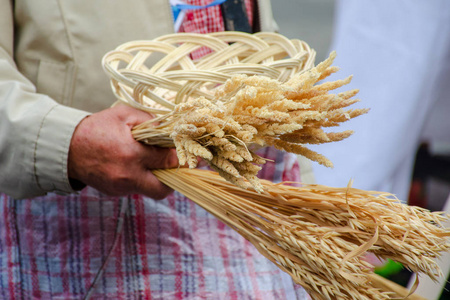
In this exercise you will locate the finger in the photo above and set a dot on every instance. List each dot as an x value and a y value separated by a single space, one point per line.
150 186
159 158
133 116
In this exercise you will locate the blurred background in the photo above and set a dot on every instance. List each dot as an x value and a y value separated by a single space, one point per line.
307 20
313 21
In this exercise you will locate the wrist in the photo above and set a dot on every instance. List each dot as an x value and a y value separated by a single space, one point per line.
76 184
74 156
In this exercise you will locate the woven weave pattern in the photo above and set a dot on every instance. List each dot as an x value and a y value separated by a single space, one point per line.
156 75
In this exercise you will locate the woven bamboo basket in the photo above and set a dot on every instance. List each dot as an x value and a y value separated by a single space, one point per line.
156 75
317 234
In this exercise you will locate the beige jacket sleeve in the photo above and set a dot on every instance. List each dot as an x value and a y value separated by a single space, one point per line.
35 131
58 52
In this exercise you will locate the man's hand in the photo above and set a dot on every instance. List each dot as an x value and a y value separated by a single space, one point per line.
103 154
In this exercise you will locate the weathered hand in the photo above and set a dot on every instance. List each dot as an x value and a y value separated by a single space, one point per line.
103 154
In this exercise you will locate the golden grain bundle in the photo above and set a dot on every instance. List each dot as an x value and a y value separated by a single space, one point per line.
263 90
319 234
256 110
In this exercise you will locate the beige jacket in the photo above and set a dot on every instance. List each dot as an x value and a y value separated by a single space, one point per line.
51 78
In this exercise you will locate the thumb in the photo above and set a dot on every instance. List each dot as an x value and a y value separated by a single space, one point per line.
132 116
153 157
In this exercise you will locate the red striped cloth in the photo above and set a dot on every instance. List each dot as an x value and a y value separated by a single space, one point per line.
54 247
208 20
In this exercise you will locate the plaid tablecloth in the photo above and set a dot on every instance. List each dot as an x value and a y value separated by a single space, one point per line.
208 20
53 248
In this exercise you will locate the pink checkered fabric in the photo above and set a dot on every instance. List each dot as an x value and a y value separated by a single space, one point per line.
207 20
53 247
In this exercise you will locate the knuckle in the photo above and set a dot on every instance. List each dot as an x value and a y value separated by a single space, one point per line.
127 155
160 193
122 179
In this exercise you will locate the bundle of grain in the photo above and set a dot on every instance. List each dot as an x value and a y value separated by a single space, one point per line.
263 90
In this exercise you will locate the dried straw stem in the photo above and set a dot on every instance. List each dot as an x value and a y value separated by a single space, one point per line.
387 285
319 234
